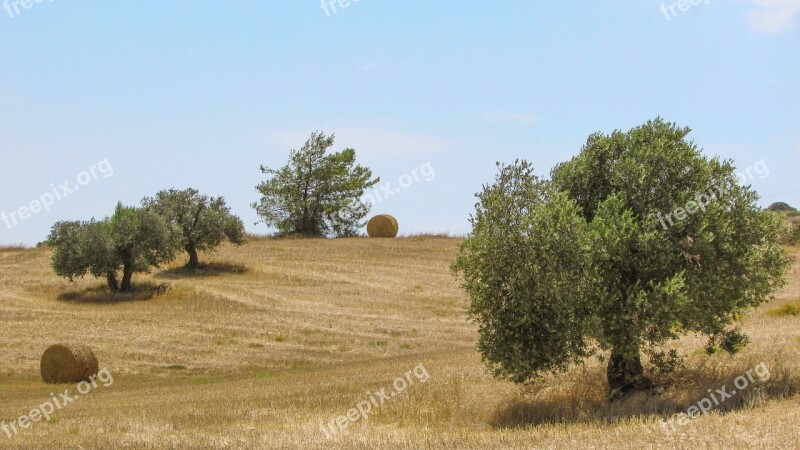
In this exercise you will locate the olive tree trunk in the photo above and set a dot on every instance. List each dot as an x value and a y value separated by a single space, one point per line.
113 284
127 274
625 374
194 261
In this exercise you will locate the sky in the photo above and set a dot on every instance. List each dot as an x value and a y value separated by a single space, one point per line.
103 102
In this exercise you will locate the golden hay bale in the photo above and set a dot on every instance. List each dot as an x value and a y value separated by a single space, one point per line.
382 226
68 363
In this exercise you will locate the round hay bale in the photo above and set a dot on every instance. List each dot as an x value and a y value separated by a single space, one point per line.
382 226
68 363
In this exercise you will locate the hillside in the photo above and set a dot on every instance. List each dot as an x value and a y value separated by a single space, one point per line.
284 334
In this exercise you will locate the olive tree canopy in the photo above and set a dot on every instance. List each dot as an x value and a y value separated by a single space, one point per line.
205 222
636 241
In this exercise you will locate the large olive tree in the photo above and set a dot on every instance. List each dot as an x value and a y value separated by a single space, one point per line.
633 243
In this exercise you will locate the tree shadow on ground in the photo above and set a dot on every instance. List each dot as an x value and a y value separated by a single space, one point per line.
584 398
521 413
102 295
205 270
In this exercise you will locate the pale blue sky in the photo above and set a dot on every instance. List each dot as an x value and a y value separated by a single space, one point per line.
200 93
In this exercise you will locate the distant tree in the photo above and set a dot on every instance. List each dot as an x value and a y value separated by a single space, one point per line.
205 222
780 206
560 269
132 241
316 194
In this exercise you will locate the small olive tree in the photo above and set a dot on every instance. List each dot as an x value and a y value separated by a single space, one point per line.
633 243
131 241
205 222
81 248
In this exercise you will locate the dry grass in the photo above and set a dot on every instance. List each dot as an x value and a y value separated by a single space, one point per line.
287 333
442 235
12 248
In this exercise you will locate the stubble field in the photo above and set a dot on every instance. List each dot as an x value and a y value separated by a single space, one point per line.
282 337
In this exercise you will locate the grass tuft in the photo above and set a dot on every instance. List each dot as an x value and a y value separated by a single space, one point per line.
202 379
790 309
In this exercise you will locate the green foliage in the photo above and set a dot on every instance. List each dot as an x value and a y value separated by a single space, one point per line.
81 248
556 268
793 236
205 222
666 361
526 267
316 194
781 206
790 234
132 241
731 341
